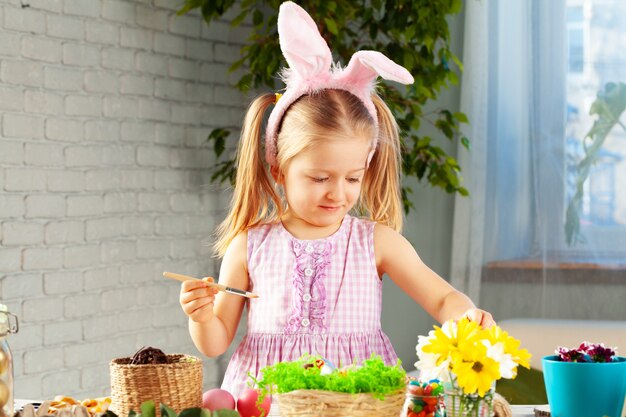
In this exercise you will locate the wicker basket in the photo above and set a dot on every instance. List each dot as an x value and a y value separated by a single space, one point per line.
317 403
177 384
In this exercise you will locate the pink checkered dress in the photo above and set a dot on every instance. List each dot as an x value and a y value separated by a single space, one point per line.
320 297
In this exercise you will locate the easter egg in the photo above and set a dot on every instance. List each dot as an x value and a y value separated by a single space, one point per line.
218 399
246 404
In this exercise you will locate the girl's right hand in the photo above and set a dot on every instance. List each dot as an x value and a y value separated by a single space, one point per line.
197 298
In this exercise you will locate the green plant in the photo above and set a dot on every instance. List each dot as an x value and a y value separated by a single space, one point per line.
414 33
148 409
608 106
373 377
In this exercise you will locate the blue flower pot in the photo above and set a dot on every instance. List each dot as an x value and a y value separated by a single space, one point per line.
579 389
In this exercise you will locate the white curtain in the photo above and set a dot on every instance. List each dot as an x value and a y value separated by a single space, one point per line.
532 69
469 220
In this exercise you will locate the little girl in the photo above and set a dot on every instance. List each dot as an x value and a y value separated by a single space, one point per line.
331 149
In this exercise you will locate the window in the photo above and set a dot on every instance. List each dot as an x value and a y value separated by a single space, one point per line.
550 60
575 37
595 42
529 81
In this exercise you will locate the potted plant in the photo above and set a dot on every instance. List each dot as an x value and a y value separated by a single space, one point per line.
571 371
469 360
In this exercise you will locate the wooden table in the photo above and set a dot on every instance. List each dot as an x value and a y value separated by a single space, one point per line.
518 410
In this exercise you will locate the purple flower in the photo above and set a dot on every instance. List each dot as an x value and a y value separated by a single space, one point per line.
599 353
570 355
586 352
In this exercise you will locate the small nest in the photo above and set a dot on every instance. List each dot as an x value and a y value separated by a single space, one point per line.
148 355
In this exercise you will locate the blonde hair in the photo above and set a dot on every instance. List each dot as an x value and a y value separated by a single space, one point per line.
312 118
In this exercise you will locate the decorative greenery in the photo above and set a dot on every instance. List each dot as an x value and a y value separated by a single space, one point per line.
414 33
608 106
372 377
148 409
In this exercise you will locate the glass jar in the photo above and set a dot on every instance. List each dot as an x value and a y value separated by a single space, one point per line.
423 406
7 326
459 404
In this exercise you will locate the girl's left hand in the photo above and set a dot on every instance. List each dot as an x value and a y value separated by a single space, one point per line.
482 317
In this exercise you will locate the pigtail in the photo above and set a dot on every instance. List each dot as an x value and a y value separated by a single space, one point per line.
381 194
254 198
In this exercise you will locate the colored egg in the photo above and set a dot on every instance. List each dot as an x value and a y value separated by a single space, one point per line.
247 407
218 399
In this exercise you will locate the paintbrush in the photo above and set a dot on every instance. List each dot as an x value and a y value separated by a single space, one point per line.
220 287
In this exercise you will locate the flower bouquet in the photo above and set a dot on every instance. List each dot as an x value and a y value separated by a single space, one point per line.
589 365
469 360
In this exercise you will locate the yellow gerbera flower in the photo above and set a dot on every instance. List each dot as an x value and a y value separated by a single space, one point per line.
477 372
495 335
451 337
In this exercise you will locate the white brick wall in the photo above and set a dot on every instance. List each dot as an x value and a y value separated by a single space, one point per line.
105 107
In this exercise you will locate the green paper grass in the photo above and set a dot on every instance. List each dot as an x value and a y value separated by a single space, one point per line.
372 377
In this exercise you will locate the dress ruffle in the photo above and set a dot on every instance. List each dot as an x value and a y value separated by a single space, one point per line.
309 274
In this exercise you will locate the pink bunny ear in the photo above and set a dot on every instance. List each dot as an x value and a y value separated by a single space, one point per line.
366 66
304 48
310 61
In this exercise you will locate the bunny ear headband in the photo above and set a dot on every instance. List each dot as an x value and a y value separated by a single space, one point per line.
310 61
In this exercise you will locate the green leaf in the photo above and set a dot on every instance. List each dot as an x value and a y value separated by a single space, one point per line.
218 136
331 25
461 117
148 409
456 7
240 17
257 17
195 412
192 412
225 413
167 411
